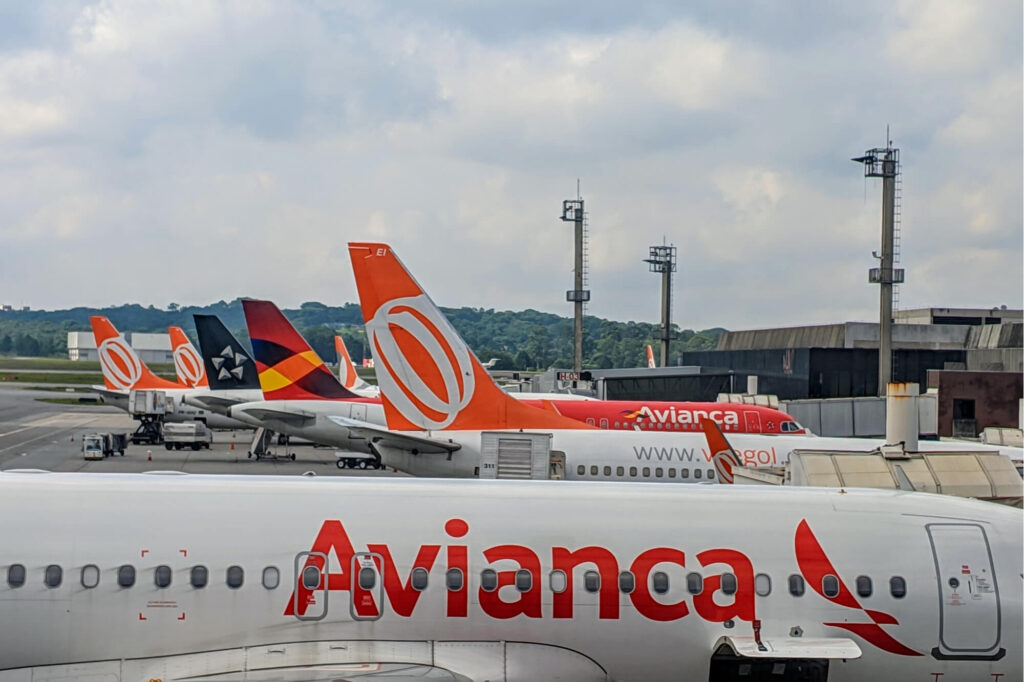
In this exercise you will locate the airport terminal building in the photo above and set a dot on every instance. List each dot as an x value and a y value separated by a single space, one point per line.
150 347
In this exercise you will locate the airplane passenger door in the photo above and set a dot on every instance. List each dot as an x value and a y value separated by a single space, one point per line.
752 421
309 586
367 588
969 618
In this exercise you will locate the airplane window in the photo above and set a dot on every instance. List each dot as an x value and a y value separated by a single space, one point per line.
697 473
897 587
627 582
647 472
694 583
53 576
558 581
16 575
863 586
671 472
367 578
607 471
659 472
762 584
632 471
419 578
311 578
592 581
659 581
235 577
199 576
524 580
593 470
162 576
616 424
796 585
830 586
604 423
489 580
90 575
620 471
581 470
126 575
684 473
728 583
453 579
711 473
272 577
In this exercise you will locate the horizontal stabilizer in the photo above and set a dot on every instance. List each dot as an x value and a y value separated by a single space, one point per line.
293 417
397 441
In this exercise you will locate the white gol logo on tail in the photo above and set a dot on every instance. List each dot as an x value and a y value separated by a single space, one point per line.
188 364
725 461
121 366
453 400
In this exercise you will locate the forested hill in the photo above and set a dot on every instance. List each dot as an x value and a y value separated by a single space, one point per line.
526 339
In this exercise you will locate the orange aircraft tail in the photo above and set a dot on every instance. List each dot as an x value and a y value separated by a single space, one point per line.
187 363
650 357
123 369
347 374
429 378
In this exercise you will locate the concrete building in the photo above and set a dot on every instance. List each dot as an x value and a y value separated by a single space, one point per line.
150 347
841 360
969 402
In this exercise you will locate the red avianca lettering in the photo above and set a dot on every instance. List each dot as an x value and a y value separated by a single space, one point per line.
711 604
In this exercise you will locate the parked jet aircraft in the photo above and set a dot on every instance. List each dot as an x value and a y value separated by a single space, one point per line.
347 374
232 373
187 363
124 371
501 580
438 400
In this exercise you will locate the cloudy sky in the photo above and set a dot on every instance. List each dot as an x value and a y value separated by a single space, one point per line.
191 151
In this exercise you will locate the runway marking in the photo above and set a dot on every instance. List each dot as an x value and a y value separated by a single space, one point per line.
11 433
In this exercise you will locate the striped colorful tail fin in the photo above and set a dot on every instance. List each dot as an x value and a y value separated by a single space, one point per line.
123 369
429 378
288 368
187 363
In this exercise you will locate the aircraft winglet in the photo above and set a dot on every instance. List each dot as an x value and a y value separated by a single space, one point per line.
723 456
429 378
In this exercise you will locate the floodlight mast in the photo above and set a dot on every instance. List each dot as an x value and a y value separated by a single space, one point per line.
663 260
573 211
884 163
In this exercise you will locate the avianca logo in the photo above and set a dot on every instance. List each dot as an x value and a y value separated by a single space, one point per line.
410 333
712 604
681 416
189 365
121 366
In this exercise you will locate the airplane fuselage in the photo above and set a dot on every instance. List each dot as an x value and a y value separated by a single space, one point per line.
592 581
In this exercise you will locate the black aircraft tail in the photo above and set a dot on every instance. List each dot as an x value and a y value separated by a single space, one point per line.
229 366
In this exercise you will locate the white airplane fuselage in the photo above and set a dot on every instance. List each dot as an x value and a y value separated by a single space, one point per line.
628 455
917 583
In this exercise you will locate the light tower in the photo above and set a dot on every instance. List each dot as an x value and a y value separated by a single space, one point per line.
885 163
663 260
572 211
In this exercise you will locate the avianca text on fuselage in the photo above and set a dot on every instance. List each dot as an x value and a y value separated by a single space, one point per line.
671 415
402 597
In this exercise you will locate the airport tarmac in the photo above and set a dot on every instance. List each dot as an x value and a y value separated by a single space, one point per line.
42 435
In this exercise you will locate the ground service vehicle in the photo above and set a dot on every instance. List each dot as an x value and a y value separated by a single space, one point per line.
193 435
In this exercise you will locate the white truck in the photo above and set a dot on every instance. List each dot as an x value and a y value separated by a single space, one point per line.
192 434
100 445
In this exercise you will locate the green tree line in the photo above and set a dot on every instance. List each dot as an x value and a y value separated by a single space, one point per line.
520 340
